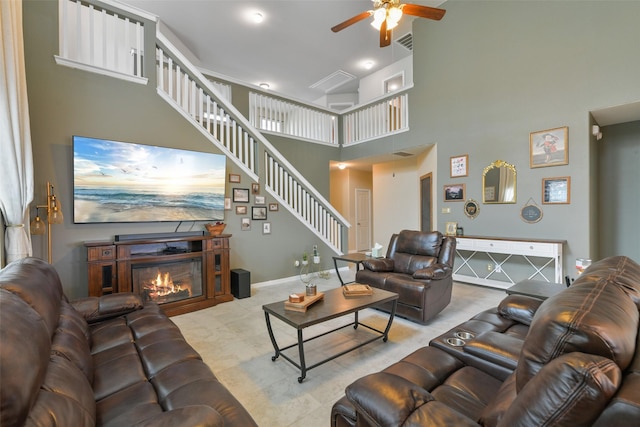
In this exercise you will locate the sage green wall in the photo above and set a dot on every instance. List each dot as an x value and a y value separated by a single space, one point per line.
65 102
490 73
619 163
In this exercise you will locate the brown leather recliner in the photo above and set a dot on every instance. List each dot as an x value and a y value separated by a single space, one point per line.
99 361
418 267
578 364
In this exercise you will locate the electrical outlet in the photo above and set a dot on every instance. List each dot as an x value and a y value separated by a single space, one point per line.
296 263
489 267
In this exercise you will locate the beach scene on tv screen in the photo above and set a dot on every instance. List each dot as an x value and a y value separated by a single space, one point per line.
128 182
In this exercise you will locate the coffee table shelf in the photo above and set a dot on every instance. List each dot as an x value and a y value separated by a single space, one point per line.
333 305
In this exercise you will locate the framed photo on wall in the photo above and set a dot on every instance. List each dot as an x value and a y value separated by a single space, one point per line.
459 165
241 210
266 228
241 195
549 147
556 190
234 178
259 213
454 192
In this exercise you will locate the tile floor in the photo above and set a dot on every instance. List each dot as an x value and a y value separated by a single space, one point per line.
232 339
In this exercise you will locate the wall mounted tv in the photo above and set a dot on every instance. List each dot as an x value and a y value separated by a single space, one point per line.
126 182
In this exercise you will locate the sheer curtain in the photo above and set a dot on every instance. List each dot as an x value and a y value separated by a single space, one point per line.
16 162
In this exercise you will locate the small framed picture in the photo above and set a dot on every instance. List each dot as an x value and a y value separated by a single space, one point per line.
549 147
245 224
454 192
450 228
255 188
234 178
241 195
459 166
556 190
259 213
241 210
259 200
266 228
273 207
227 203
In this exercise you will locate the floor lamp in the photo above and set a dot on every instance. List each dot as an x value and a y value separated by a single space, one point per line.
54 216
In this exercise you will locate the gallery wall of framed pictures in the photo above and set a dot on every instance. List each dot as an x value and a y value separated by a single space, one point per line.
241 197
546 148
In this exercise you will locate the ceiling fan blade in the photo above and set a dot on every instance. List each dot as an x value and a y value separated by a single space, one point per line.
385 35
351 21
423 11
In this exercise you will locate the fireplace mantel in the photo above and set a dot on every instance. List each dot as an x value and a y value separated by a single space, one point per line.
110 265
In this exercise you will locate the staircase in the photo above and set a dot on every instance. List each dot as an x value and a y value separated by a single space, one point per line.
191 94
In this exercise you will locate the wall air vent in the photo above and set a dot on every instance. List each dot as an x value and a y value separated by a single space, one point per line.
406 41
402 154
333 80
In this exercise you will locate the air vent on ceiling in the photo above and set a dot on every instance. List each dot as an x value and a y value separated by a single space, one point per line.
402 154
333 80
406 41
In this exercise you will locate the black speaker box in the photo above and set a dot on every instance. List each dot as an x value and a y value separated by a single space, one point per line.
240 283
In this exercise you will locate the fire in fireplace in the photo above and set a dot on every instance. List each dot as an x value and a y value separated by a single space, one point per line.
167 282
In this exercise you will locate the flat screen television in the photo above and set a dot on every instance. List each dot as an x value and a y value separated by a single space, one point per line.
127 182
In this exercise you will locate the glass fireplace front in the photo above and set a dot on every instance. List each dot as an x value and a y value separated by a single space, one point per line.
165 282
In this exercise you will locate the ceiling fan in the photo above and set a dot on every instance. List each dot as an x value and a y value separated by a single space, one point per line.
387 13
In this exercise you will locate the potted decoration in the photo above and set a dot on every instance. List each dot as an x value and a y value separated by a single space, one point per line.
215 229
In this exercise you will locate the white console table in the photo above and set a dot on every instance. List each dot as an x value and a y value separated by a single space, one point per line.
505 255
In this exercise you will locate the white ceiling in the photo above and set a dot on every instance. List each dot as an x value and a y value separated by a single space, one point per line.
292 49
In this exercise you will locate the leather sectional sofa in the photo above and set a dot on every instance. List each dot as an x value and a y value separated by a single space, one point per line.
107 361
571 360
418 267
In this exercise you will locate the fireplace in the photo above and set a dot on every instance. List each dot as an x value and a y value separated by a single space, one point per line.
181 273
166 282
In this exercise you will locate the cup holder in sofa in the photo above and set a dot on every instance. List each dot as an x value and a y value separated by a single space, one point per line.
464 335
456 342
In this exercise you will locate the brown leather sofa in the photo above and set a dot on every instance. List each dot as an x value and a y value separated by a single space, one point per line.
574 359
106 361
418 267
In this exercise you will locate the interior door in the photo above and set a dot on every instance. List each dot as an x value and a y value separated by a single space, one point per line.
426 222
363 219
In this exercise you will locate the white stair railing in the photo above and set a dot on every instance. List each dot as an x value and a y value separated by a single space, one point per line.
377 120
190 93
275 115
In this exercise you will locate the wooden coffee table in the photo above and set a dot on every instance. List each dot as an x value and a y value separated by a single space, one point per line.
333 305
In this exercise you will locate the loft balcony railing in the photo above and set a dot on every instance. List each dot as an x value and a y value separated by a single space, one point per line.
274 115
376 120
103 37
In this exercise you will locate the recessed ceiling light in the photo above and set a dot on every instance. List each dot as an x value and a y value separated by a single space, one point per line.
341 166
257 17
368 64
264 85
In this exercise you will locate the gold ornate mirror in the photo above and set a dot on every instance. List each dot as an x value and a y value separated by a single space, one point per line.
499 183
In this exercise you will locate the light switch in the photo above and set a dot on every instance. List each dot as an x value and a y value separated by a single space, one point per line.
446 210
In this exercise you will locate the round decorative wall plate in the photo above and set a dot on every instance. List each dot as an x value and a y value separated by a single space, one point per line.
471 208
531 213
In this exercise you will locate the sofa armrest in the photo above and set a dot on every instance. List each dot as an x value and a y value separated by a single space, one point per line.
379 264
386 399
95 309
435 272
520 308
195 415
496 347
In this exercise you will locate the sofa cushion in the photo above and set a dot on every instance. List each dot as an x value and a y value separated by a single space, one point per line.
592 317
419 243
382 264
572 389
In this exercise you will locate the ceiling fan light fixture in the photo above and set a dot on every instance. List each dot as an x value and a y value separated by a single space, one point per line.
393 17
378 17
